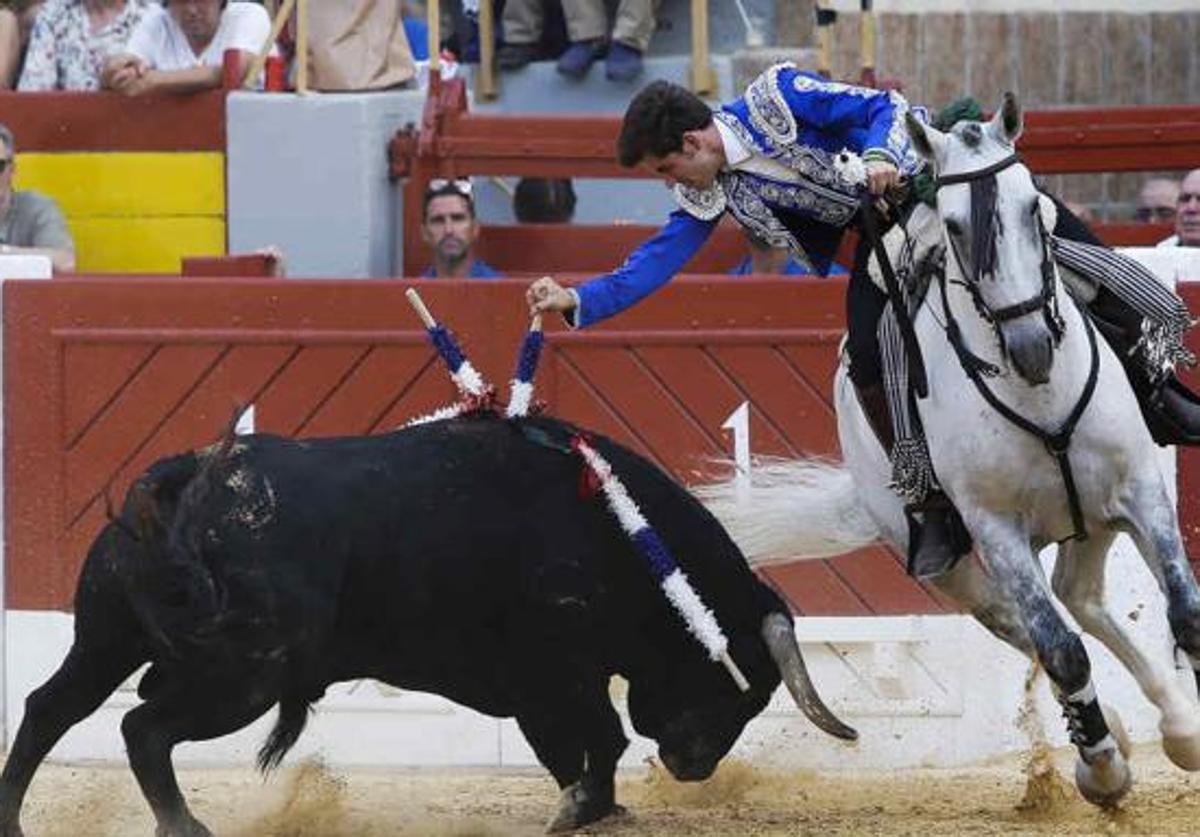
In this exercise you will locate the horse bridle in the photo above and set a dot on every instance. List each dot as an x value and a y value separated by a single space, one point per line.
1057 443
1045 301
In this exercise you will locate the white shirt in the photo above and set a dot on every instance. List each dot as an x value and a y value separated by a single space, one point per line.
740 158
160 42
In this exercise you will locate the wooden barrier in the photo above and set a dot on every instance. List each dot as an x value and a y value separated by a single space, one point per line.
105 375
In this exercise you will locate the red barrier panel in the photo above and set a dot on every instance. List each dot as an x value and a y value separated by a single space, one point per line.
102 376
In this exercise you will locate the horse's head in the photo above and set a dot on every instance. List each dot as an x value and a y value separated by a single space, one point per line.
995 234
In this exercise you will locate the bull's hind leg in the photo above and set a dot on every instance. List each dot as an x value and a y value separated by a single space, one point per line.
85 679
1102 772
197 708
1079 584
579 739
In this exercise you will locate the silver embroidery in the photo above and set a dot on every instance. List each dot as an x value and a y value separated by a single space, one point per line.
704 204
769 111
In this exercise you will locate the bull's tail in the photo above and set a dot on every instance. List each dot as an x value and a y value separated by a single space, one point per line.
293 716
791 509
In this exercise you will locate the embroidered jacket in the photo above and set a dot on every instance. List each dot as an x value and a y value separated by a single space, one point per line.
802 123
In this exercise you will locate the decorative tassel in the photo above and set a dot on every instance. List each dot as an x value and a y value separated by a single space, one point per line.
699 620
912 470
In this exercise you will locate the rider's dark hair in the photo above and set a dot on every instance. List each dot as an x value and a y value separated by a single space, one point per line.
656 121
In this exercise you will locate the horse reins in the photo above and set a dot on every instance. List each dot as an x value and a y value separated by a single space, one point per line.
1057 444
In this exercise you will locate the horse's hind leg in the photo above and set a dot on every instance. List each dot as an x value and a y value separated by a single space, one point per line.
970 585
1079 585
1102 773
87 676
201 706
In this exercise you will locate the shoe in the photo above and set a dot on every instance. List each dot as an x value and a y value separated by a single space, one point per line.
515 56
578 58
1173 414
624 63
938 540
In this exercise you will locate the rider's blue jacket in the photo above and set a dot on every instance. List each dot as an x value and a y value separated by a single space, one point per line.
803 198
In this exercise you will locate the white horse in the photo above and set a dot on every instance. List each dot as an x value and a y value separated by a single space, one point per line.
1013 312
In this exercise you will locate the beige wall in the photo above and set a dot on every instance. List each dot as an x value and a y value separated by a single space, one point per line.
1049 58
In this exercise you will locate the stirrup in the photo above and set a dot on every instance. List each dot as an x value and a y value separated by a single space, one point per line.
938 540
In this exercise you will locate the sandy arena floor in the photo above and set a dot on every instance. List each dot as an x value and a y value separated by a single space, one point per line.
1018 796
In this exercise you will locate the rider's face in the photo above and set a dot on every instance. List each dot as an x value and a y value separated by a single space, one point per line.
695 165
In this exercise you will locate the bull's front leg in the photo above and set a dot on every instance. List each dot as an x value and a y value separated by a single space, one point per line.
579 742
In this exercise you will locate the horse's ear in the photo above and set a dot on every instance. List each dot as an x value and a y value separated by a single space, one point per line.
1008 122
927 140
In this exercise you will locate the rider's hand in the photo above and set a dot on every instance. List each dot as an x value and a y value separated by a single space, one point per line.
881 176
547 295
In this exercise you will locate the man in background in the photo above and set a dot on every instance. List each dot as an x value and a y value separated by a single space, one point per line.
450 228
1156 201
30 223
181 48
1187 213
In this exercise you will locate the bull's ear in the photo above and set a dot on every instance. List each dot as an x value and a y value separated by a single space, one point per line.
1008 122
142 506
928 141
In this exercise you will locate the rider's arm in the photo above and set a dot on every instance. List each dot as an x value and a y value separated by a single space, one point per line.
648 268
871 121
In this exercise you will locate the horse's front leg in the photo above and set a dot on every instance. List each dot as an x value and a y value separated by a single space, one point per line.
1102 772
1079 584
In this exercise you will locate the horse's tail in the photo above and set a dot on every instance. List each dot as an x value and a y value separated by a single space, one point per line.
791 509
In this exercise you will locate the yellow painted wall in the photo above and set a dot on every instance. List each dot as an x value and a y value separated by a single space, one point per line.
134 212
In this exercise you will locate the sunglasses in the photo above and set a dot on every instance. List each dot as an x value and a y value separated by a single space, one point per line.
1155 213
5 162
442 184
1188 197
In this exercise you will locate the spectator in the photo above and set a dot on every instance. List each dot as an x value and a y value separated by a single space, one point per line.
30 223
544 200
1156 201
1081 211
358 45
767 260
589 34
16 22
450 227
533 30
180 49
72 39
1187 218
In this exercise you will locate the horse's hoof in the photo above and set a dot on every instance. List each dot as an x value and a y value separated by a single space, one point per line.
190 827
1105 779
578 807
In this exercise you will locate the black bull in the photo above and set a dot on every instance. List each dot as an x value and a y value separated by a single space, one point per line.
456 557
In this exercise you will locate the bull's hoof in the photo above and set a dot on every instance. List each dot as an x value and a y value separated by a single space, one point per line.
578 806
1183 750
190 827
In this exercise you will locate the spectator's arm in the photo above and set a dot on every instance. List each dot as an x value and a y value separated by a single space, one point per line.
10 48
41 59
191 80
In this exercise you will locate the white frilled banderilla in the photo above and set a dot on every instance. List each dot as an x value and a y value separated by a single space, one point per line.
477 396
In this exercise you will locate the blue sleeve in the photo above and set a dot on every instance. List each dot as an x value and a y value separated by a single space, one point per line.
648 268
833 107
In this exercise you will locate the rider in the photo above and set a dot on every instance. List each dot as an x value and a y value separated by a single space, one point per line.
773 160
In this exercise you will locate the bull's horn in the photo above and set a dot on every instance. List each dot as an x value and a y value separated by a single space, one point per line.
785 651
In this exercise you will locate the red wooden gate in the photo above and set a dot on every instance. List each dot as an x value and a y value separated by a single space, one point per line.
102 376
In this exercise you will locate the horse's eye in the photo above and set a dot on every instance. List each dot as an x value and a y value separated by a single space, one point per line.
954 227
